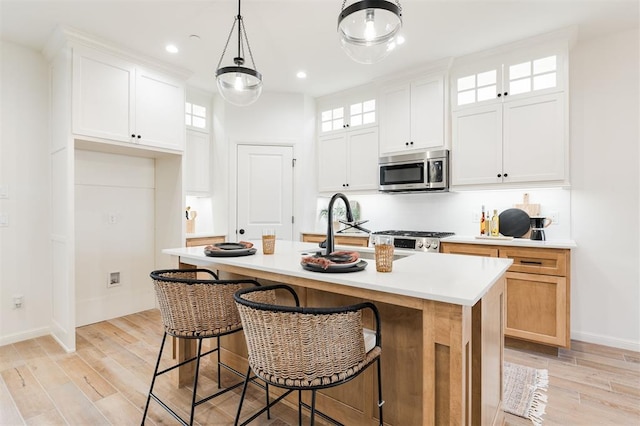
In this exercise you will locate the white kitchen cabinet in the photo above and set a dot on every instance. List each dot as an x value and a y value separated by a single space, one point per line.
197 159
509 119
116 100
515 142
412 115
345 112
348 161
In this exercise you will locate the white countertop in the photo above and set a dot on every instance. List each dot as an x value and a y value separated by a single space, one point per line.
515 242
449 278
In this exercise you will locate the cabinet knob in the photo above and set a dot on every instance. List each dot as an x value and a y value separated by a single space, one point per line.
241 231
406 143
347 125
347 184
411 143
505 175
499 94
499 175
344 184
506 93
133 136
139 136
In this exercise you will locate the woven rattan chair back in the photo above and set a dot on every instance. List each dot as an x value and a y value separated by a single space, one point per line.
300 348
190 307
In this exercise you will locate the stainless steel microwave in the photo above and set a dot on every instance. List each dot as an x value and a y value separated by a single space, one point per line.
422 171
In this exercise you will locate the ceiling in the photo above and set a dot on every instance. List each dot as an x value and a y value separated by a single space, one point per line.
291 35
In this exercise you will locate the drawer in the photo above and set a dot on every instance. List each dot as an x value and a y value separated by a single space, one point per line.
204 241
469 249
537 261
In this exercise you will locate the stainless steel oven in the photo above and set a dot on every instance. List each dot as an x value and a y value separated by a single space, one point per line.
422 171
414 240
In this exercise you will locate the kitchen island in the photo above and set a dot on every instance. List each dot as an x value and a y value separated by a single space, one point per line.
442 330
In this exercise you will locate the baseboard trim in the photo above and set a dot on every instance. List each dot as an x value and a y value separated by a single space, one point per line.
24 335
606 341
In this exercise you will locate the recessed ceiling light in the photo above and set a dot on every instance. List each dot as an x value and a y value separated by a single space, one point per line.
171 48
301 74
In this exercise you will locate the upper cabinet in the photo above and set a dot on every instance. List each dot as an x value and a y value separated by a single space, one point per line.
348 161
117 100
412 115
197 153
509 119
342 113
347 144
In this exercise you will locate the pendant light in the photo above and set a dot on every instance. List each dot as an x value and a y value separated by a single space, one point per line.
238 84
368 29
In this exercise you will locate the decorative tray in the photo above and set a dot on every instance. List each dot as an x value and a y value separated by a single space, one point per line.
229 250
336 268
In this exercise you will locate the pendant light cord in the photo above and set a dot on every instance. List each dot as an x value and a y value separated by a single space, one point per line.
241 30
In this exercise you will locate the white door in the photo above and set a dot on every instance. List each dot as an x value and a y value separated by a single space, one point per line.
265 191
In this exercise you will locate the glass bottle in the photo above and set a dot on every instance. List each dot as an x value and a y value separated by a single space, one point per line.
483 223
495 224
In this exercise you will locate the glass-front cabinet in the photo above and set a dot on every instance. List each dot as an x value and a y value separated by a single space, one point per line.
509 118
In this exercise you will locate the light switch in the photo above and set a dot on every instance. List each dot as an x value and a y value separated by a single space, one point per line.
4 191
4 219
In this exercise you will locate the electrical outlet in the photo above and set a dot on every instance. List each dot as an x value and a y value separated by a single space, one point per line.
114 279
475 217
555 217
113 218
18 300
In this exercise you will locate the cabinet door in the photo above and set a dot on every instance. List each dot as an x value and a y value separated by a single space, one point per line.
332 162
196 170
395 119
427 113
537 308
159 110
102 87
476 156
362 165
534 142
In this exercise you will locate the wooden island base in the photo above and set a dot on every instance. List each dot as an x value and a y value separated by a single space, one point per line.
441 362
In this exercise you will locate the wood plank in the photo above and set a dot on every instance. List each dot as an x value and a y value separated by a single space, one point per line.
9 413
29 396
94 386
75 407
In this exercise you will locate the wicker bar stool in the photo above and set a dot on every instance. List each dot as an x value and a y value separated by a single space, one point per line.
298 348
193 308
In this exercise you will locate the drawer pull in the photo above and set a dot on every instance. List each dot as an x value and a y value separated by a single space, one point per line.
531 262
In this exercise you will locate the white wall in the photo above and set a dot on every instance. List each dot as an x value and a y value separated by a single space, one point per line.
25 266
604 159
114 232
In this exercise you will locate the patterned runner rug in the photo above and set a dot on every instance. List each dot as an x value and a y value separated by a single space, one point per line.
524 391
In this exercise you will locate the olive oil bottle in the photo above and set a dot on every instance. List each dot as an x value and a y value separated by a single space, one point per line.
495 224
483 223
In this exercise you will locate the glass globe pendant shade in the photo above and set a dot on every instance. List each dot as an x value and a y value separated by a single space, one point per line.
240 86
368 29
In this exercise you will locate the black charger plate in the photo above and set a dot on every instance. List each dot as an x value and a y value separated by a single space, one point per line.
230 252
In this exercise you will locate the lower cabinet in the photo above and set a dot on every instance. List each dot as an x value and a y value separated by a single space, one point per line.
345 240
537 291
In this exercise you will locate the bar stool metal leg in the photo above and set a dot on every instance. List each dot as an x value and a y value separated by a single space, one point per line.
153 380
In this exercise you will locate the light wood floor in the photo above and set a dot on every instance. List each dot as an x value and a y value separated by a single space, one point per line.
107 379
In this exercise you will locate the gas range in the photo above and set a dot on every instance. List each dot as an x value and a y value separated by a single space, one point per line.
414 240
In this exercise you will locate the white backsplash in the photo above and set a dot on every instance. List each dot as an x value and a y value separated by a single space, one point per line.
453 211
